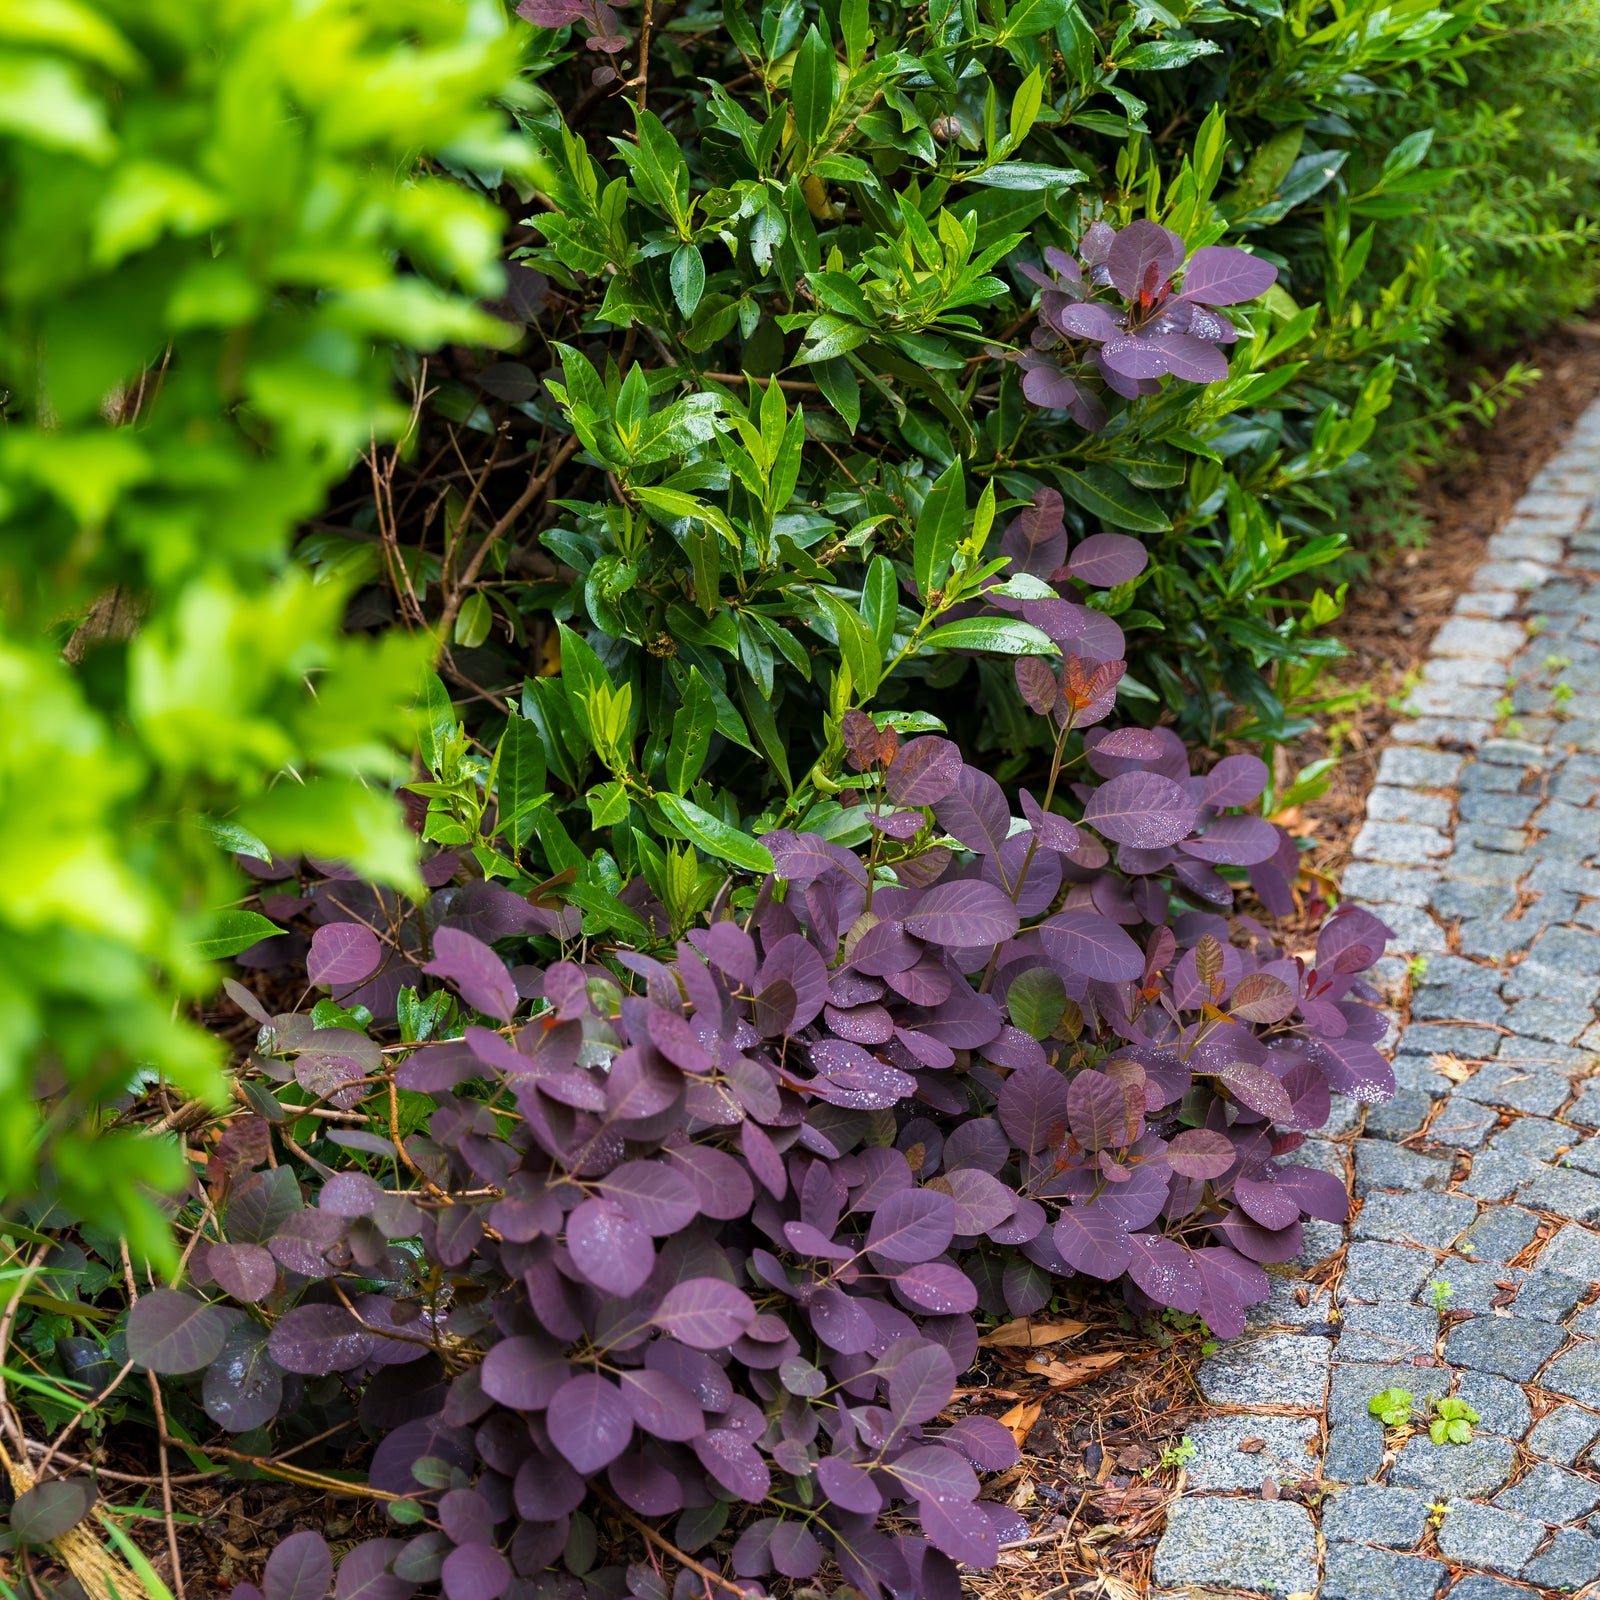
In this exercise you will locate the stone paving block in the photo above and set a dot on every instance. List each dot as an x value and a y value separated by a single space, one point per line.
1266 1547
1463 974
1463 636
1480 1586
1548 1296
1513 753
1556 1021
1368 1513
1563 1059
1283 1369
1320 1155
1502 1407
1574 1251
1569 1194
1281 1308
1575 1374
1385 1272
1219 1463
1433 1220
1382 1165
1585 1110
1487 1537
1473 865
1571 822
1571 1560
1586 1324
1412 931
1320 1240
1498 1174
1377 884
1452 1002
1355 1450
1509 1347
1467 1043
1488 938
1470 1471
1385 804
1485 805
1499 1233
1388 1332
1355 1382
1519 1087
1451 700
1496 777
1344 1117
1572 948
1461 1124
1400 1116
1495 838
1401 844
1420 769
1564 1434
1472 1285
1417 1074
1355 1572
1454 899
1462 731
1533 1136
1496 603
1550 1493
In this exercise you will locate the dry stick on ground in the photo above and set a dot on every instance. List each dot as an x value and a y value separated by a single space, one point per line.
161 1427
664 1544
537 484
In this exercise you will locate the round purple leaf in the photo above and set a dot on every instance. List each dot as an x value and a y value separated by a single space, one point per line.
609 1248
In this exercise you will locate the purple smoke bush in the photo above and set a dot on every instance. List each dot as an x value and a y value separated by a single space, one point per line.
702 1232
1162 319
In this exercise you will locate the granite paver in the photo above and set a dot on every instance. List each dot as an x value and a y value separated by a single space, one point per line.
1472 1257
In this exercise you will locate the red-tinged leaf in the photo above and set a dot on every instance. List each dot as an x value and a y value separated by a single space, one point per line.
319 1339
245 1271
1033 1107
924 771
1261 997
1200 1153
1097 1112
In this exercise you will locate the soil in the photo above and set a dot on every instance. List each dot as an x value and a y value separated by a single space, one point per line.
1390 621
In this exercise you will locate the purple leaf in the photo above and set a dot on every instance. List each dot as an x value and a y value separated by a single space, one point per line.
976 813
319 1339
1092 946
524 1373
1132 356
659 1198
933 1286
923 772
985 1442
45 1512
1093 1241
172 1333
1047 386
1142 809
794 960
921 1384
475 970
795 1551
961 1530
912 1225
1086 320
245 1271
364 1574
661 1405
704 1313
1192 359
720 1181
733 1462
1142 257
342 954
589 1422
932 1472
1264 1202
982 1202
965 912
1218 275
1318 1194
475 1572
1165 1271
609 1248
1107 559
850 1487
1033 1105
299 1568
1235 841
1258 1089
1200 1153
243 1387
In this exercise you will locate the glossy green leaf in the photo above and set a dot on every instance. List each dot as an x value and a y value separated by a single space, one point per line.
715 836
232 931
993 636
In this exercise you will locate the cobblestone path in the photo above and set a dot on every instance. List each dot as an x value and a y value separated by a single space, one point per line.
1473 1256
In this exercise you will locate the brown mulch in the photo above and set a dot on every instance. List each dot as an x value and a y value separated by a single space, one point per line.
1392 615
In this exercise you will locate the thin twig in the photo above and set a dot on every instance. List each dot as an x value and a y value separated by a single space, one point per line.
709 1574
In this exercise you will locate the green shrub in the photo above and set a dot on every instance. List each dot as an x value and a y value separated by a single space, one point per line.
201 210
